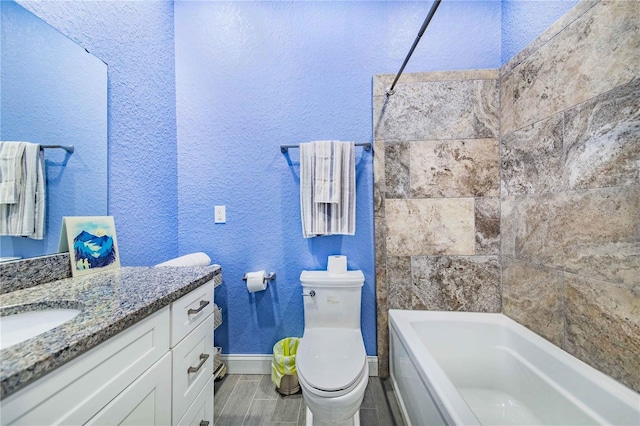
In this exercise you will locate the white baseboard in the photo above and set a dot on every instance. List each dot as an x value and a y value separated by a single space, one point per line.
261 364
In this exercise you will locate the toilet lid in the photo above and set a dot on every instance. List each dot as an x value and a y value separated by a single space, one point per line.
331 359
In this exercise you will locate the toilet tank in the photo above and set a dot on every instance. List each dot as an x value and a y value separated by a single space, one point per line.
337 299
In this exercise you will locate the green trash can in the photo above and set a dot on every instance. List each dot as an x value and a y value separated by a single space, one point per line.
283 366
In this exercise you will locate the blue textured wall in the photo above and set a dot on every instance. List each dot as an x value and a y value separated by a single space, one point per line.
135 39
42 72
524 20
253 75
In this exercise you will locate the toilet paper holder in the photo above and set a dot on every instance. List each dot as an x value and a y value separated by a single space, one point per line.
271 276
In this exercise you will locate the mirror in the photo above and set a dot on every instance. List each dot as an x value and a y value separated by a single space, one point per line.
54 92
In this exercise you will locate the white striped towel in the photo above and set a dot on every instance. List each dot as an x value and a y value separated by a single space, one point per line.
10 171
329 207
26 218
327 175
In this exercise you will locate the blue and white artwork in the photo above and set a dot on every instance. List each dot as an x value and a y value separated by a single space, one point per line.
92 243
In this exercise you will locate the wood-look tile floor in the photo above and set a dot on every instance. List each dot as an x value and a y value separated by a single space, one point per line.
253 400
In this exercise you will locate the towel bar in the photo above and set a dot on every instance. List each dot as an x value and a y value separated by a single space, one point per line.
68 148
366 146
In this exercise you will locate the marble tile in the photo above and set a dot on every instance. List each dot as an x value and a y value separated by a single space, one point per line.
382 312
602 140
399 282
383 343
601 233
487 221
432 226
382 81
451 283
509 224
396 169
455 168
485 117
537 226
570 69
381 287
379 179
532 161
438 110
595 233
507 113
603 327
579 9
380 232
383 364
533 296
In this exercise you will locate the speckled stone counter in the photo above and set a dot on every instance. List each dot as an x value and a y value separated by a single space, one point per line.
110 302
25 273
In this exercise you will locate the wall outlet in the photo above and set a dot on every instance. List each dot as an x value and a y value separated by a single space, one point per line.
220 214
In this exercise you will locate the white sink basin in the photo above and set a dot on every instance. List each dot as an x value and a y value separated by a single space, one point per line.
20 327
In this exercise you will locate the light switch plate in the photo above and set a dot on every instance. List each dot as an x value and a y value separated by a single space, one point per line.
220 214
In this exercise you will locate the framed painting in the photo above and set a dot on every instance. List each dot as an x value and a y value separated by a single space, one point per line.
91 242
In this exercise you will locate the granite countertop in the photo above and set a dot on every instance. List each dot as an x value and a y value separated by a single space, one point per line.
110 301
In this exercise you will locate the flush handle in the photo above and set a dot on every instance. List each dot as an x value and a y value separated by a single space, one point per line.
310 294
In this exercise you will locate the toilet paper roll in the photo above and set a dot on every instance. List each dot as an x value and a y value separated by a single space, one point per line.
337 264
256 281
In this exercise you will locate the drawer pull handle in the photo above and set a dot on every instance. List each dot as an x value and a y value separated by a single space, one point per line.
204 423
203 303
203 359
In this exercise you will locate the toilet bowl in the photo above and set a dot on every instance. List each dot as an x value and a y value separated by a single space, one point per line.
333 373
331 360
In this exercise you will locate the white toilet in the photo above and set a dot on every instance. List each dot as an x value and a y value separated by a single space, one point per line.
331 360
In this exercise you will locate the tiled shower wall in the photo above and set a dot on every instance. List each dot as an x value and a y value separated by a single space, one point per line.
436 195
570 111
551 204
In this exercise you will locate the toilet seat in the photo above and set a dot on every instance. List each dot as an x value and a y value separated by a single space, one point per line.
331 361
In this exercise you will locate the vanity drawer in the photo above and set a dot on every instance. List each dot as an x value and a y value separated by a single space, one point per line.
190 310
192 366
201 411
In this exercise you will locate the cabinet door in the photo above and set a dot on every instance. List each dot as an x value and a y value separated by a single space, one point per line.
147 401
201 411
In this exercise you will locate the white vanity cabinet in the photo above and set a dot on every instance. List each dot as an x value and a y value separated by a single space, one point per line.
157 372
192 352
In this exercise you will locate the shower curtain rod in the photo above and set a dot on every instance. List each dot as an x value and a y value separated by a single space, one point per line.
435 5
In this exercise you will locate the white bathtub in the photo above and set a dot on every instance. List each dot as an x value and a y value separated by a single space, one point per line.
459 368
